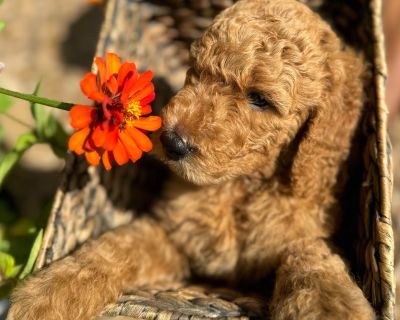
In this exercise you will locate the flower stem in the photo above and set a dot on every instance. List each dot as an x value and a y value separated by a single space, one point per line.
39 100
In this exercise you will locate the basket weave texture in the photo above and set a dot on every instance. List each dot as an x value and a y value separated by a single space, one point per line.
90 201
191 302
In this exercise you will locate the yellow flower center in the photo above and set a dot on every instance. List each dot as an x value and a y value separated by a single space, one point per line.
132 112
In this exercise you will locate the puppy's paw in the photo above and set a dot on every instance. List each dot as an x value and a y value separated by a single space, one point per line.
64 291
314 283
347 304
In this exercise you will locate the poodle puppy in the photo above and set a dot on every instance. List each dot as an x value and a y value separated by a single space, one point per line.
258 133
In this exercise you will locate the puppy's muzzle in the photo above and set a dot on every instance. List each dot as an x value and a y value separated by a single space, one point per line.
175 147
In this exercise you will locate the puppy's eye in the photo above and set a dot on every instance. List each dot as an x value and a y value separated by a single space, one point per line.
258 100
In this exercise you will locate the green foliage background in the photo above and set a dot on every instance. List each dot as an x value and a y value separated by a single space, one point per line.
21 237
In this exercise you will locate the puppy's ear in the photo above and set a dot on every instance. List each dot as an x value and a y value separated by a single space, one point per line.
326 142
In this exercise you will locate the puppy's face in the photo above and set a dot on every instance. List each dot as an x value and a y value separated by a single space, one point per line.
254 77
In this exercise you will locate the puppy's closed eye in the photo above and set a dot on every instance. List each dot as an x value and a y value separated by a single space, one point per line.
259 101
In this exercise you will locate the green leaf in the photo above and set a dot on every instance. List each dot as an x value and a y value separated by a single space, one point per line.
22 227
5 103
11 158
2 134
7 213
58 141
7 163
48 128
34 106
41 116
25 141
2 25
33 255
7 265
4 245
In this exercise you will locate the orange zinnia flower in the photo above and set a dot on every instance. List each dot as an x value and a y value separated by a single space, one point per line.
114 129
95 1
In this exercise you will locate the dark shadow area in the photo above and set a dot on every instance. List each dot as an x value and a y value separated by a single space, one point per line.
79 46
351 20
350 179
144 181
35 188
25 204
346 18
164 93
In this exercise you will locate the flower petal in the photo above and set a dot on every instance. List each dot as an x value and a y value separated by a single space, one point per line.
148 89
143 80
111 139
141 140
112 85
81 116
131 148
148 99
77 140
120 153
101 70
113 63
90 89
127 71
151 123
99 136
107 159
117 117
92 157
146 110
133 85
89 144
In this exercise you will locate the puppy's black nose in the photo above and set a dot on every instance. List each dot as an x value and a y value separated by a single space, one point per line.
174 145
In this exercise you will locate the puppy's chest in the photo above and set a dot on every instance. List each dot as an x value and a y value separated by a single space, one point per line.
219 228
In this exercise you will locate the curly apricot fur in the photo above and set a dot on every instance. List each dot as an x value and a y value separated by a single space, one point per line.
259 197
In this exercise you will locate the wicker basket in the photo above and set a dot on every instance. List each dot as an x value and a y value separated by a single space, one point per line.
90 201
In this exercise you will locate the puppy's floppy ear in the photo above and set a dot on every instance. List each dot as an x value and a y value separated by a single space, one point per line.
327 139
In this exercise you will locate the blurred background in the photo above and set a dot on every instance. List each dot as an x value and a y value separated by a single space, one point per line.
391 25
54 42
42 41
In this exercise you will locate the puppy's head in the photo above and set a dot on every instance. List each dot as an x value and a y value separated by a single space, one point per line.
257 75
